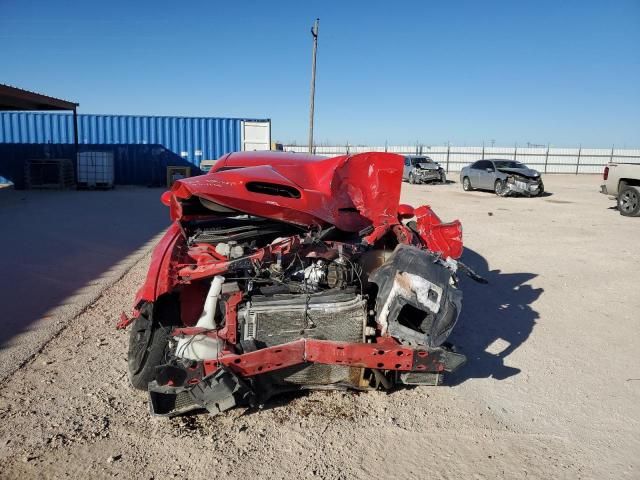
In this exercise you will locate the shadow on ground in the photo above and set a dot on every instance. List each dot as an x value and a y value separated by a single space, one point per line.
56 243
496 319
497 313
542 195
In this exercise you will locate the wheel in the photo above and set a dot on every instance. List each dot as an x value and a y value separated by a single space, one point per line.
466 184
149 342
541 189
629 201
443 177
412 179
498 187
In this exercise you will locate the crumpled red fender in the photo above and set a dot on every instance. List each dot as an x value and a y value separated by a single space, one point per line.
445 238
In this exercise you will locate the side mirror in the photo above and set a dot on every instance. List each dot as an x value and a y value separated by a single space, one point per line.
490 170
165 198
405 211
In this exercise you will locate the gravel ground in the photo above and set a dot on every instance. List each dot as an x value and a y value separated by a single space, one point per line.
551 390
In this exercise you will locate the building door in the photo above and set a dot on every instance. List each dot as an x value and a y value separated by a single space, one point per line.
256 135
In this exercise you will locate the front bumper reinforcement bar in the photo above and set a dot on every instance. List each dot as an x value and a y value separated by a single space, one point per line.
225 381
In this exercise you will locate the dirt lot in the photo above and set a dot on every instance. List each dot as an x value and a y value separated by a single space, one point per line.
551 390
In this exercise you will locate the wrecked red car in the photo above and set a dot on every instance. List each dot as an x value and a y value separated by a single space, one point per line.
285 271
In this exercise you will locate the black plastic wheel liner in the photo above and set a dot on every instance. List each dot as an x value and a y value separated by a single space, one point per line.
139 339
416 262
149 339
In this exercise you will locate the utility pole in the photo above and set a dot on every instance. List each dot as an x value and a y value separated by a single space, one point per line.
314 32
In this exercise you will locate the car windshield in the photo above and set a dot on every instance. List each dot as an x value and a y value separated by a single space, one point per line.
418 160
509 164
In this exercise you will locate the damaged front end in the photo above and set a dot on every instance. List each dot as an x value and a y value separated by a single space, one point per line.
285 272
519 184
427 173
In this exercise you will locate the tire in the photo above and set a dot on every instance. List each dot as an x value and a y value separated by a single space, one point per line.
466 184
541 189
412 179
149 342
629 201
443 177
498 187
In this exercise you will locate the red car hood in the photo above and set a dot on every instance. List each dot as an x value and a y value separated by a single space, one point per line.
349 191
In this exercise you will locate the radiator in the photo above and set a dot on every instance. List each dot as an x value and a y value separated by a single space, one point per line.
332 315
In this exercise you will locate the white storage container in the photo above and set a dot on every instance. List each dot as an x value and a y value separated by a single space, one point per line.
206 165
95 170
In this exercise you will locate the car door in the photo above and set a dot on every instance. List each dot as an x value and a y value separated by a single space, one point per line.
480 174
473 173
407 168
489 175
478 181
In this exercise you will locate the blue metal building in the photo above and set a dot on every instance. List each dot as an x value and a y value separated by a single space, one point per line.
143 146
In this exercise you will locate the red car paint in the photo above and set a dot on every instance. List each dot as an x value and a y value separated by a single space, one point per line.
158 279
365 355
352 193
345 191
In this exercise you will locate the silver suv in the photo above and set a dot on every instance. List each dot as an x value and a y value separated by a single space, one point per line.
422 169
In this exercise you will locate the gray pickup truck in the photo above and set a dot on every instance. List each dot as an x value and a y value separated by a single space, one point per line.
422 169
622 182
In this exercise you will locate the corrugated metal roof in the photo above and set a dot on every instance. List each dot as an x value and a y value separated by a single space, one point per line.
14 98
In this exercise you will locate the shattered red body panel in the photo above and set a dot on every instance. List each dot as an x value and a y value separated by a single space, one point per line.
350 192
267 232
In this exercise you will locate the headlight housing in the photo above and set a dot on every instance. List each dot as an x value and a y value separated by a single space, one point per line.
511 179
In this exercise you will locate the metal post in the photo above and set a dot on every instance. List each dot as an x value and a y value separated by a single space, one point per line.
448 150
482 150
515 153
578 162
314 32
546 159
611 156
75 131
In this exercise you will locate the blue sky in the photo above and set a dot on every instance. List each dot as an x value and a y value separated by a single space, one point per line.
564 73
